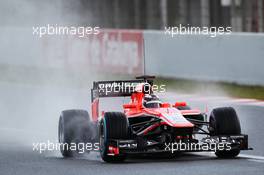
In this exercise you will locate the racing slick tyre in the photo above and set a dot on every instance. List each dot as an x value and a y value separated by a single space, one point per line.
74 128
114 125
224 121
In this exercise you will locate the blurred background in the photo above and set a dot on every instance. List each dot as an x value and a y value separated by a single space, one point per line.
241 15
39 77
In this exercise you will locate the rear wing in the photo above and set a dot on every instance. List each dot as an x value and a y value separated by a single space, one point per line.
118 88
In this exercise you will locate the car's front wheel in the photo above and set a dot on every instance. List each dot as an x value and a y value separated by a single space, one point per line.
224 121
114 125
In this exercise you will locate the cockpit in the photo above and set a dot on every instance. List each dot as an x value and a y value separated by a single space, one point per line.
151 101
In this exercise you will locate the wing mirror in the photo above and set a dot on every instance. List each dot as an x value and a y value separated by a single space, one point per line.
165 105
180 104
129 106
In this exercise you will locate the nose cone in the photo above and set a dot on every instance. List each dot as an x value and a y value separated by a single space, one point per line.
174 118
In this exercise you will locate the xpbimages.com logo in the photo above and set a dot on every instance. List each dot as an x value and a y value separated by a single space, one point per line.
80 148
128 87
79 31
193 30
206 146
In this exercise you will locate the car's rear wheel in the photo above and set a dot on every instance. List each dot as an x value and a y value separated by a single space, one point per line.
114 125
74 128
224 121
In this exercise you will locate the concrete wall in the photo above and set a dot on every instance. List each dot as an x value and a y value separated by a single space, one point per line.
233 58
112 51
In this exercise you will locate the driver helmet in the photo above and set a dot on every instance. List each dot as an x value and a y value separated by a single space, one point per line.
151 101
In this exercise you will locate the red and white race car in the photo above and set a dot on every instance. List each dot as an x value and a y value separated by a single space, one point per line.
147 125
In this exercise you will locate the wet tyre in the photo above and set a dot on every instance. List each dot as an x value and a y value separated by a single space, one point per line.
74 128
224 121
114 125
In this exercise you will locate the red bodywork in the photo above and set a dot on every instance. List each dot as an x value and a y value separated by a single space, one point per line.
169 114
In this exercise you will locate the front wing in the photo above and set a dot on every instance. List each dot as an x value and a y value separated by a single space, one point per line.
210 143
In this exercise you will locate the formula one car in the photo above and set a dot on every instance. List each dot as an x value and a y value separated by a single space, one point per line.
147 126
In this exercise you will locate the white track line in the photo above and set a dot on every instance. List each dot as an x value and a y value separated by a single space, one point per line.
256 160
251 156
247 156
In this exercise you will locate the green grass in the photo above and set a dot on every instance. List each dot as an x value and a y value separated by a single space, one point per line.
212 88
79 79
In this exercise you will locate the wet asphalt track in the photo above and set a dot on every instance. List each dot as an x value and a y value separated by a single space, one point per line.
30 114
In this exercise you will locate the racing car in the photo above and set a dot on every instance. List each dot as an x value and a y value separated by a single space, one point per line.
146 125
